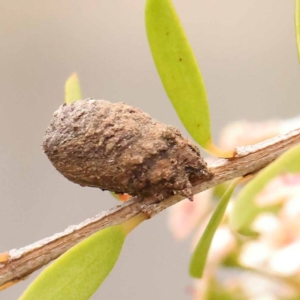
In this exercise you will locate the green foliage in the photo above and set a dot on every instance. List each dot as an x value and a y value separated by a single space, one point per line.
246 209
80 271
179 72
217 292
297 25
199 256
72 89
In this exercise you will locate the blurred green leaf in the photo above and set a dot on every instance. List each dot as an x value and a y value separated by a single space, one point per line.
297 25
72 89
179 72
245 208
216 291
200 254
80 271
220 189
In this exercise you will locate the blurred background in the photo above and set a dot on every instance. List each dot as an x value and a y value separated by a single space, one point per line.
247 54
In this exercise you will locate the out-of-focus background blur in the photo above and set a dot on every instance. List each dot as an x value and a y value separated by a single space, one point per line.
247 54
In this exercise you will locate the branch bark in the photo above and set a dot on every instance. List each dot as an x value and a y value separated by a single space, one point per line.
16 264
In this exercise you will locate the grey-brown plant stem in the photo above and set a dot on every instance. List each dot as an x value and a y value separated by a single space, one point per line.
17 264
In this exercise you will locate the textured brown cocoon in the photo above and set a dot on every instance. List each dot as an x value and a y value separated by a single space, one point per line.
119 148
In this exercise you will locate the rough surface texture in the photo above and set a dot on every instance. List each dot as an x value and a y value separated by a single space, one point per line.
17 264
119 148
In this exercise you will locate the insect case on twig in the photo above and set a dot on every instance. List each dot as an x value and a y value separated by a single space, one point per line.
119 148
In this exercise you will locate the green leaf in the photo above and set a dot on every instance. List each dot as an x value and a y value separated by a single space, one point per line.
200 254
80 271
216 290
297 25
72 89
179 72
245 208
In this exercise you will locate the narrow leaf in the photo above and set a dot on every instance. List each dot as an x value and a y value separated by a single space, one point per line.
179 72
200 254
297 25
246 209
132 223
80 271
72 89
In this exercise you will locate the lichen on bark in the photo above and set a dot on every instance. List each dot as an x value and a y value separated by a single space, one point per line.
119 148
